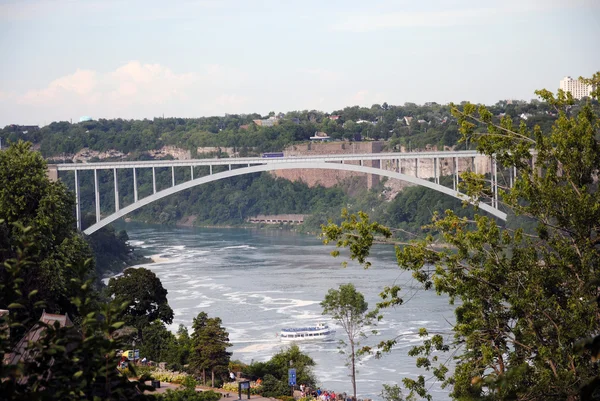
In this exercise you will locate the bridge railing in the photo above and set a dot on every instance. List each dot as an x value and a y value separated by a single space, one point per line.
402 163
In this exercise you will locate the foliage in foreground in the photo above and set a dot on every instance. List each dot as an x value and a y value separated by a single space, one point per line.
66 363
29 199
524 302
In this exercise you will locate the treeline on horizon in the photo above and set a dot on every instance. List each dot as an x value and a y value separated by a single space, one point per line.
232 201
379 122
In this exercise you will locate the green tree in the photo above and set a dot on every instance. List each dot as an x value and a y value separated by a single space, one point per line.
275 371
209 347
524 301
29 199
157 343
145 295
349 309
63 363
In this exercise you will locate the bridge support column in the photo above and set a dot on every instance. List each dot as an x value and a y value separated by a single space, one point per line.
230 167
436 173
116 190
495 183
173 175
416 167
135 194
210 169
97 193
192 172
153 180
77 202
455 174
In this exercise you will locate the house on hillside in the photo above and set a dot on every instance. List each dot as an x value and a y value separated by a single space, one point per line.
408 120
268 122
20 351
320 136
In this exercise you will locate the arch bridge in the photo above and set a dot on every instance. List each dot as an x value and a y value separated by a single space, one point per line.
391 165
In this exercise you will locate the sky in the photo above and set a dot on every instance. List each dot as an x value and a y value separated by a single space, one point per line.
63 59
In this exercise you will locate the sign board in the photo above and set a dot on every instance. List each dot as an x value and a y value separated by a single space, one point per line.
136 354
292 377
244 385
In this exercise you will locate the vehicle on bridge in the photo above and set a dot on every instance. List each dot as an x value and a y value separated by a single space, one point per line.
272 154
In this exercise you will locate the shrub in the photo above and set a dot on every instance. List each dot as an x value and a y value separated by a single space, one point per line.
189 395
170 377
233 387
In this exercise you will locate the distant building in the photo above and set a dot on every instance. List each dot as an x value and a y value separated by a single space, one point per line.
525 116
408 120
21 352
320 136
577 88
269 122
85 118
334 117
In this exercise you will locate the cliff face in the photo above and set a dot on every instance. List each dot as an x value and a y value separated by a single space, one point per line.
328 178
85 154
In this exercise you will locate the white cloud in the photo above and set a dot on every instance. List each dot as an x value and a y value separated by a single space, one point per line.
6 95
364 97
81 83
136 89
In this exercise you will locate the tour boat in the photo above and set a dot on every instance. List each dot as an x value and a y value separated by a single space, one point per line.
319 332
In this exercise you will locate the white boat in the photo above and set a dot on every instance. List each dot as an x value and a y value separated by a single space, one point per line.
319 332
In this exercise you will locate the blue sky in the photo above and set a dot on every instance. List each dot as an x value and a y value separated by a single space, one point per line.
63 59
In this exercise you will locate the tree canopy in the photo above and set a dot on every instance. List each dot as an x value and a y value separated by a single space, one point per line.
209 342
349 309
525 301
145 296
275 371
54 248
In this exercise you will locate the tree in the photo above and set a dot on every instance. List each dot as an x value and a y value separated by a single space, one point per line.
275 371
349 308
64 363
525 300
145 296
158 341
209 346
29 199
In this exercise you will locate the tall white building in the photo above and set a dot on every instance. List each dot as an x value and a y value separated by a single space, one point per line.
577 88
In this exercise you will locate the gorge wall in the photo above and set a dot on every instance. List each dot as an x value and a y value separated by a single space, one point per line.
330 178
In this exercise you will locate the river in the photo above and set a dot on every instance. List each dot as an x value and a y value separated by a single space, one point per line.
258 281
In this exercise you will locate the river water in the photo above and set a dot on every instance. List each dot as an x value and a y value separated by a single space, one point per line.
258 281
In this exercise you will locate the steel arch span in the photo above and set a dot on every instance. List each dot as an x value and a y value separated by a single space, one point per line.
286 166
